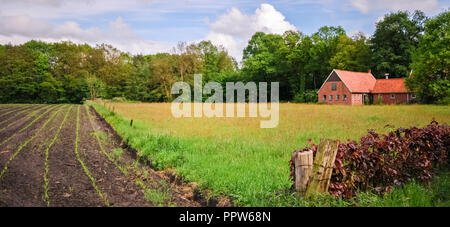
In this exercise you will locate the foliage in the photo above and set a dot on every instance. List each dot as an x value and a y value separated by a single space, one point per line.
395 38
431 62
353 54
38 72
309 96
380 163
298 62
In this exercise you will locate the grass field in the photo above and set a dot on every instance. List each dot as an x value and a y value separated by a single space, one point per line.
234 157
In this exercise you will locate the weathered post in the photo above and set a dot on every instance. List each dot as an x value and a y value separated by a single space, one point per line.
322 167
303 167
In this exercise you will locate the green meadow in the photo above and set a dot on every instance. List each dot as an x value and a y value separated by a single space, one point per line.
236 158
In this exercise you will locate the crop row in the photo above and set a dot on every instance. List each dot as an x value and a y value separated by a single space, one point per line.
85 168
46 197
5 168
27 116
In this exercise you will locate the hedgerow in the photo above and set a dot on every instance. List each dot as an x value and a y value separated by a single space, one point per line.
379 163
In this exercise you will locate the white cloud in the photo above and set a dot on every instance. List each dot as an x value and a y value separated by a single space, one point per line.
20 29
23 25
234 29
365 6
121 31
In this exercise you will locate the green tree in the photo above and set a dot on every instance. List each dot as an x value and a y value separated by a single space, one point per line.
352 54
325 47
163 75
264 59
297 55
214 60
431 62
395 38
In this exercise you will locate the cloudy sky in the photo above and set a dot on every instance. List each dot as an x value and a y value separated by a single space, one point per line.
151 26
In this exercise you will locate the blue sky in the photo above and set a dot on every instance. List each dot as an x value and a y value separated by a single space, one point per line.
150 26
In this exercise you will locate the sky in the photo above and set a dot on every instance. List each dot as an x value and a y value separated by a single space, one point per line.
152 26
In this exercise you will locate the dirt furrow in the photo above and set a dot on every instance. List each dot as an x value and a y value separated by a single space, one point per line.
120 190
15 136
21 186
67 155
46 197
13 110
18 124
68 184
7 119
154 183
6 108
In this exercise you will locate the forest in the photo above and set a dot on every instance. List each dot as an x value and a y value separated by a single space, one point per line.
404 44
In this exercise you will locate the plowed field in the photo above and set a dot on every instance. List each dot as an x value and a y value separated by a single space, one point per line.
66 155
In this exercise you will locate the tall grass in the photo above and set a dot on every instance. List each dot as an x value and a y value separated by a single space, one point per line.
233 156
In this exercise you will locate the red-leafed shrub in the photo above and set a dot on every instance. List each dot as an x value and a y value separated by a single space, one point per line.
381 162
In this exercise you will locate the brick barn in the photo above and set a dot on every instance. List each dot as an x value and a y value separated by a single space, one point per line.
356 88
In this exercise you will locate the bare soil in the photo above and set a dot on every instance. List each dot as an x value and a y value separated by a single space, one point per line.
119 177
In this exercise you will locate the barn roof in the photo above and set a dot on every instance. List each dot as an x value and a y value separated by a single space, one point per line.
390 86
357 82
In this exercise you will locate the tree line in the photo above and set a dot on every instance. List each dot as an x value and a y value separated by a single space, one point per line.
404 44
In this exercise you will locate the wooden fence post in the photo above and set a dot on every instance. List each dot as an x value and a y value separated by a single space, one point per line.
303 167
322 167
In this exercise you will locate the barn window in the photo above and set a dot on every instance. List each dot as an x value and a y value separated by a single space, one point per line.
338 97
345 97
324 98
392 96
331 98
333 86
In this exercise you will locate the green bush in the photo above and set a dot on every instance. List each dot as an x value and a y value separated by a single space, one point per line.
310 96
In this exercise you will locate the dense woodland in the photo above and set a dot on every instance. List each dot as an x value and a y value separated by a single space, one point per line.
404 44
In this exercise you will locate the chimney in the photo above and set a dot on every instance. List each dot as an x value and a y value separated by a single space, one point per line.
387 75
370 71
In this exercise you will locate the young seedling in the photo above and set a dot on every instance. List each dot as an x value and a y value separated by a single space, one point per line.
46 197
85 169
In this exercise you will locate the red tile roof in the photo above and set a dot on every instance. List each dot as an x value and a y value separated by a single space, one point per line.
390 86
357 82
